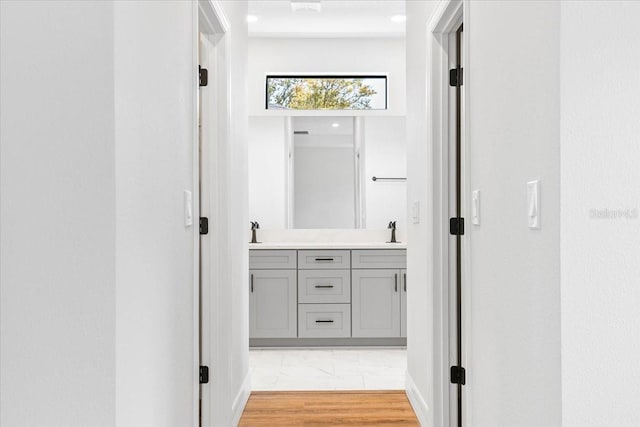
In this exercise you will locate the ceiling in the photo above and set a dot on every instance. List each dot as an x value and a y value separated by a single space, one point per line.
338 18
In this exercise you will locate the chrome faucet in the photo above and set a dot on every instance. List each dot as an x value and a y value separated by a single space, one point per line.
254 226
392 227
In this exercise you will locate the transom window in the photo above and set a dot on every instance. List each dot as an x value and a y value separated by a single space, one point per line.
326 92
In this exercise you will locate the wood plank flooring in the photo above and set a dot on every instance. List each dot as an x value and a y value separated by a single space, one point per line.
328 408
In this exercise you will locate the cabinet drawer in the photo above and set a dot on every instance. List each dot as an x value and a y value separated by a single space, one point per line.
324 286
324 320
380 258
268 259
324 259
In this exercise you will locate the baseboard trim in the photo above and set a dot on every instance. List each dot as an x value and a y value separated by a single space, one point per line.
324 342
241 399
418 403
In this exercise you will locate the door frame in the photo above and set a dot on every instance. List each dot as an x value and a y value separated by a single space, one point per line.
210 23
444 22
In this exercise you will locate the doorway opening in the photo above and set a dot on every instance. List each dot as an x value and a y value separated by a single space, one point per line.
327 191
323 314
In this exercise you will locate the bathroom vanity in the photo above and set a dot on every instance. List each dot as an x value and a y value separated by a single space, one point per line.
310 295
323 274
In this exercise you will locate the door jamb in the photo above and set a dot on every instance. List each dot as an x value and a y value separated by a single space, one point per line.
444 21
209 20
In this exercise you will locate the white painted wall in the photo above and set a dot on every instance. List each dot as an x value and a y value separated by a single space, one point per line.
154 101
385 156
235 207
97 266
267 163
309 55
515 271
57 198
420 337
600 256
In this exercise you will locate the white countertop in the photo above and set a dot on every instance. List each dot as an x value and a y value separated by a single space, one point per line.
327 245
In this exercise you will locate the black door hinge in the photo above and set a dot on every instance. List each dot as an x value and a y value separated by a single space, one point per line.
204 76
204 374
455 77
456 226
458 375
204 225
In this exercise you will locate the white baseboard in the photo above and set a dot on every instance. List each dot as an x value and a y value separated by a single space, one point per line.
241 399
418 403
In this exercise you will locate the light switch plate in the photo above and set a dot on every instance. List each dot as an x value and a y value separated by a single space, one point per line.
475 207
533 204
415 212
188 208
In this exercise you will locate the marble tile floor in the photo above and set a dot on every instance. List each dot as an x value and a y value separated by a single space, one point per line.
328 369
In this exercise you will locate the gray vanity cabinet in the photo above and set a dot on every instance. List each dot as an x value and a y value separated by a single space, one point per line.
324 293
375 303
272 304
379 299
327 296
273 294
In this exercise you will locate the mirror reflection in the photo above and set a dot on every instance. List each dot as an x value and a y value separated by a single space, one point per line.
317 172
324 179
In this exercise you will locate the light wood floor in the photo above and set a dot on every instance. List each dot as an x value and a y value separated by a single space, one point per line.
328 408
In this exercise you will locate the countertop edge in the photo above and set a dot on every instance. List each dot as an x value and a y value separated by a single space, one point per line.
292 246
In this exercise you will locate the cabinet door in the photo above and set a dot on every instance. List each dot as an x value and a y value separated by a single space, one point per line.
375 303
272 304
403 304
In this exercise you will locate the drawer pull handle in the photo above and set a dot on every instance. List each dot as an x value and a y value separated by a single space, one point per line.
324 286
324 259
324 321
405 282
252 283
396 282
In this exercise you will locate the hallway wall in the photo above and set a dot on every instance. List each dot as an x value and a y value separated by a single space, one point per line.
420 337
236 173
514 137
154 103
96 294
600 252
57 214
327 55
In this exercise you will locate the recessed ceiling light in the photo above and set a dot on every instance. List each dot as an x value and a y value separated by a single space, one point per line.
251 18
335 125
399 18
306 5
